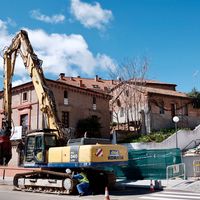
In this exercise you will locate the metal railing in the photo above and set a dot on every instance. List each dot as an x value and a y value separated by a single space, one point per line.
176 171
192 144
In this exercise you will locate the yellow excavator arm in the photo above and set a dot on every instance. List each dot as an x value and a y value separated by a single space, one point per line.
21 44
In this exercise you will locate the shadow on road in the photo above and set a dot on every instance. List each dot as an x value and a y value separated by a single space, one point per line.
131 191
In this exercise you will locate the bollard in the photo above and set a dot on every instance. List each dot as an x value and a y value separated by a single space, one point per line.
4 172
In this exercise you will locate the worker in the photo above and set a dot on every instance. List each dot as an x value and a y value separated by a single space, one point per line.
83 186
68 171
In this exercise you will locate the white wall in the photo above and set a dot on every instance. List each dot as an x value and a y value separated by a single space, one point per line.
184 137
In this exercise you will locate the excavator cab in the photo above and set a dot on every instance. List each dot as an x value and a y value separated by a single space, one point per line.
37 145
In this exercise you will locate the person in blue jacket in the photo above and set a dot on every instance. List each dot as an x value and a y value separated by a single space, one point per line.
83 185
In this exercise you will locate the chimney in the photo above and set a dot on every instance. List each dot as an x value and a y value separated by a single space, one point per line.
81 83
61 76
96 78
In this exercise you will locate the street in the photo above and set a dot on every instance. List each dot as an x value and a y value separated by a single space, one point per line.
6 193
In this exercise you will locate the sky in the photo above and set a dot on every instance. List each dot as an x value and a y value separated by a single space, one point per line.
88 37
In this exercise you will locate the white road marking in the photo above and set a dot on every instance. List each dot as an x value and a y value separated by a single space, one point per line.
170 195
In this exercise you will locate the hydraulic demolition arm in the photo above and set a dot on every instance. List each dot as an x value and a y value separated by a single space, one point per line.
21 44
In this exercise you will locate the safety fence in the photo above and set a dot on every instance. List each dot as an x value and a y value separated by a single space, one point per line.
196 168
148 164
176 171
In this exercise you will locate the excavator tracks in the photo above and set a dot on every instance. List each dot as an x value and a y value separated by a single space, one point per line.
46 181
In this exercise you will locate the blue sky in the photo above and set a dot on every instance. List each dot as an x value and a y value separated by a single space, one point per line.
85 37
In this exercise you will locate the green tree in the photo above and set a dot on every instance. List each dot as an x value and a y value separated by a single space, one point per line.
195 95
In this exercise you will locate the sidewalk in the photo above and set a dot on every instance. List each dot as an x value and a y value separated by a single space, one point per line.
192 184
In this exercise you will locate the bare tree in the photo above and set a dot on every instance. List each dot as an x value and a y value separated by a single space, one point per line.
128 98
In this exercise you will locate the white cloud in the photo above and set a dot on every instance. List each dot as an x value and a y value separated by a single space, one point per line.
60 53
21 81
3 27
54 19
91 16
106 62
11 22
5 37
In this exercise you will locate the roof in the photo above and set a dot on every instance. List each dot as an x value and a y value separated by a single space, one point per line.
148 81
28 84
95 84
106 85
165 92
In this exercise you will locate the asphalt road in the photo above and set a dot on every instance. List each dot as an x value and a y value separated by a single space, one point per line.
7 193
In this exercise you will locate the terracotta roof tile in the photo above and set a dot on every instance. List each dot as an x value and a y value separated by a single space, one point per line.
165 92
99 84
105 85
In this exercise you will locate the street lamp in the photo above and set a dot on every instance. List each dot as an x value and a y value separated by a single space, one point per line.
176 120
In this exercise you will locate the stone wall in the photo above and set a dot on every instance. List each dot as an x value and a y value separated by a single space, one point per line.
184 138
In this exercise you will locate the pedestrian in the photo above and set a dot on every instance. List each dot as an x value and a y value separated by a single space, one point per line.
83 185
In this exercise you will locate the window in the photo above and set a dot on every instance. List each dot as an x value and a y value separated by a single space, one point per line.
24 124
127 93
94 105
30 148
66 101
173 110
24 96
162 110
185 110
65 119
38 143
65 94
50 141
39 149
95 86
121 112
94 100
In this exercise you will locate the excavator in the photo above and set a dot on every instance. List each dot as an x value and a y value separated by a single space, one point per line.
50 151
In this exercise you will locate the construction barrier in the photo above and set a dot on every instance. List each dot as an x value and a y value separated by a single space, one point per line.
148 164
175 171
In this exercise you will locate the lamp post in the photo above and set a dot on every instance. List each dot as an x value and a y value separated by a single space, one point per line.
176 120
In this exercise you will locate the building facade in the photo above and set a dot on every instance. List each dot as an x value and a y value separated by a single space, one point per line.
143 105
73 104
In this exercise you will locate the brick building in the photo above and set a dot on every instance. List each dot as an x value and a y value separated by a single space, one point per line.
73 103
153 106
146 105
